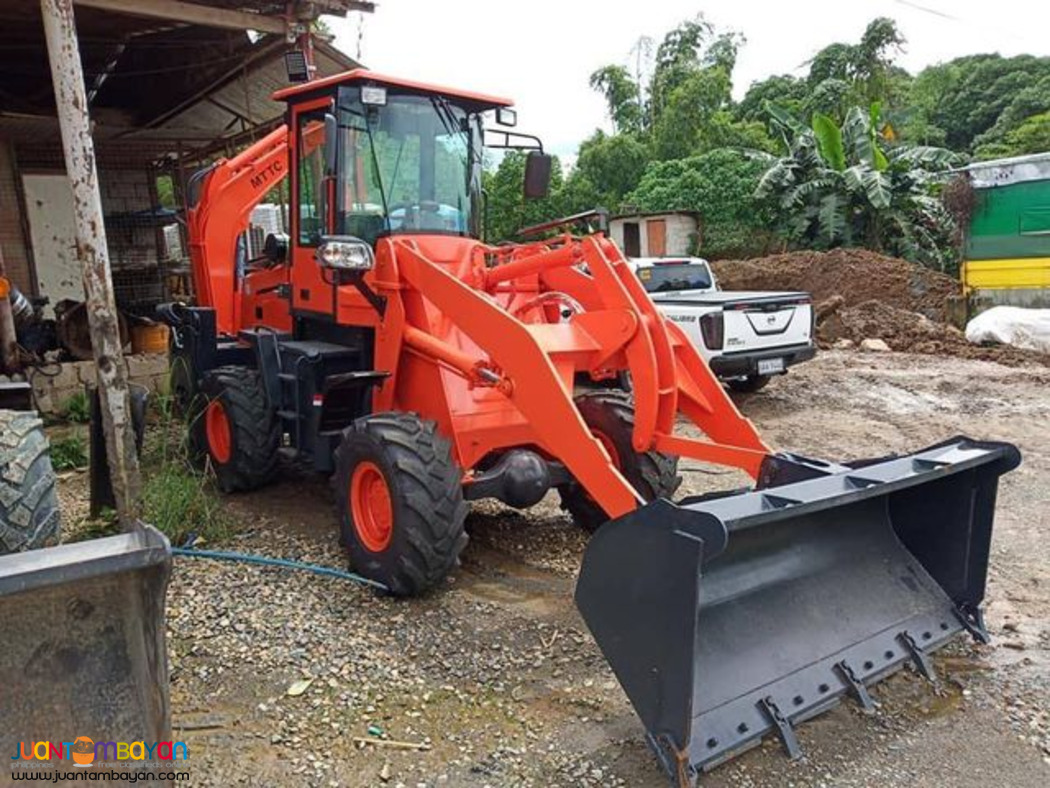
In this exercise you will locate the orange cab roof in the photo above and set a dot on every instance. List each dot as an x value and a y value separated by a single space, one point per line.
371 77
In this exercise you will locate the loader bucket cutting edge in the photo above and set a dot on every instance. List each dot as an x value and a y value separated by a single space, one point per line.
728 619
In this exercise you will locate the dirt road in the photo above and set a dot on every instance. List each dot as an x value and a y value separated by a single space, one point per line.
498 679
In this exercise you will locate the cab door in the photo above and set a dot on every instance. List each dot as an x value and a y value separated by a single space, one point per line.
313 203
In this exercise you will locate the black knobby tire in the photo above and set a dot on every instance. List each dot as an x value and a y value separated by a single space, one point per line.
748 385
651 473
425 487
255 429
28 505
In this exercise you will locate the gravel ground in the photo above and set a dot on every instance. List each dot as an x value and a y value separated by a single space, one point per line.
499 683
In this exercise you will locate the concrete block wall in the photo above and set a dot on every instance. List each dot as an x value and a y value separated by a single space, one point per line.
681 234
124 191
55 385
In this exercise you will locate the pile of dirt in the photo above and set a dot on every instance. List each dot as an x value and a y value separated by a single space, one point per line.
857 275
911 332
859 294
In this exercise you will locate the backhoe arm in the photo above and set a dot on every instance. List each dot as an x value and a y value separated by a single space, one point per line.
220 211
227 193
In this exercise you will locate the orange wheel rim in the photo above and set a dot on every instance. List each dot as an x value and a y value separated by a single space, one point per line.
217 430
371 507
609 446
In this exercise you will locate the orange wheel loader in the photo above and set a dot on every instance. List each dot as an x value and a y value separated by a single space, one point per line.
383 343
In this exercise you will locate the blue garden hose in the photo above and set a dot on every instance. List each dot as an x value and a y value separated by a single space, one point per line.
248 558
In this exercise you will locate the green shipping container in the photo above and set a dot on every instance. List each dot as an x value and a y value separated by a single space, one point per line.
1007 258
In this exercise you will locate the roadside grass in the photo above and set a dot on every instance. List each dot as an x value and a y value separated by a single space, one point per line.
178 497
69 452
77 409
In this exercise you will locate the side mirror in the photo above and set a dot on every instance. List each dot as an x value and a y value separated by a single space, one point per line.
331 149
505 116
537 175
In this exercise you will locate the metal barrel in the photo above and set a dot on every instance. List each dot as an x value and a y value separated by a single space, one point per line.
84 642
735 617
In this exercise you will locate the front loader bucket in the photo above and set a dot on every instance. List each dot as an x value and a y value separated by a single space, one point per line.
83 643
730 618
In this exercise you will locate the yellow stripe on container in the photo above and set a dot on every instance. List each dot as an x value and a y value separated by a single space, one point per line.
1020 273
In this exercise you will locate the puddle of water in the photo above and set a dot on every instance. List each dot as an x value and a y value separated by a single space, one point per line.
495 577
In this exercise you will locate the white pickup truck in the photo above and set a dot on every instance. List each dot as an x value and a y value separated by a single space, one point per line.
745 337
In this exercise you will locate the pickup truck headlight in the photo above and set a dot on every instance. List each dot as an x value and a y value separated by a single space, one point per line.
712 329
346 253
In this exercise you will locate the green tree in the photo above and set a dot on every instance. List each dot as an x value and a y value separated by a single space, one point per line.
680 128
611 165
840 185
843 75
966 97
1032 135
784 90
1027 103
622 95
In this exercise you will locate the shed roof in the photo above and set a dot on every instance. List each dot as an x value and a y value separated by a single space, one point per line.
150 83
650 214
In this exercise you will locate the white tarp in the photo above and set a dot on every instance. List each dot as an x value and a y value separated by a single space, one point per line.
1012 325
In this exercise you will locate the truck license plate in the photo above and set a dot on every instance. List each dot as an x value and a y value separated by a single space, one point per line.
770 366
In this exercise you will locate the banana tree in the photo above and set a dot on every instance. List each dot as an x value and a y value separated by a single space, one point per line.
845 186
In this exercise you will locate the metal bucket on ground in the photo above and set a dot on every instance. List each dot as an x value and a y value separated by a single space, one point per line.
726 619
84 642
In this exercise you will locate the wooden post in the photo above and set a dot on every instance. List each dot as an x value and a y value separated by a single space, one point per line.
8 339
71 101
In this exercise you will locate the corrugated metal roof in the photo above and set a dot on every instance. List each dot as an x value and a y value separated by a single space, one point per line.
1002 172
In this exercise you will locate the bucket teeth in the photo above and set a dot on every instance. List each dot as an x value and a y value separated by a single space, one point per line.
857 688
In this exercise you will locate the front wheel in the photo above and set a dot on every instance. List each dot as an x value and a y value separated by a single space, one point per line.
748 385
399 494
610 416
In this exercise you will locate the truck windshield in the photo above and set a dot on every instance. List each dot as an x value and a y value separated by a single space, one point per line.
666 277
411 165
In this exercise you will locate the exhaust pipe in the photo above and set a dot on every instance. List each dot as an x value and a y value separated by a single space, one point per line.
731 618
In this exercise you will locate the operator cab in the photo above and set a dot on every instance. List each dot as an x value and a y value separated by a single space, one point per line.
381 156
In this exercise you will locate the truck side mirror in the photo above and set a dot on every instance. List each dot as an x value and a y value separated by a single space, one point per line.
505 116
537 175
331 150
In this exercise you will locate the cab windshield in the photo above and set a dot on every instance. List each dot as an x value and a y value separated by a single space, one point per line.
409 165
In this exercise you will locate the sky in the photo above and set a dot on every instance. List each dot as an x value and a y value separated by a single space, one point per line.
541 53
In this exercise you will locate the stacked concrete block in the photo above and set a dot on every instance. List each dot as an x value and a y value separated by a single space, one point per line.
56 384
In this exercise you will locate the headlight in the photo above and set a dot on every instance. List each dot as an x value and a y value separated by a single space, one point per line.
348 254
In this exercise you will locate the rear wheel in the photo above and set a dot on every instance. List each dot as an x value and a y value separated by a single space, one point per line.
748 385
28 504
236 429
610 416
400 499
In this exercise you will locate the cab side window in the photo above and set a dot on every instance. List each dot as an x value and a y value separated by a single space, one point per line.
311 179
